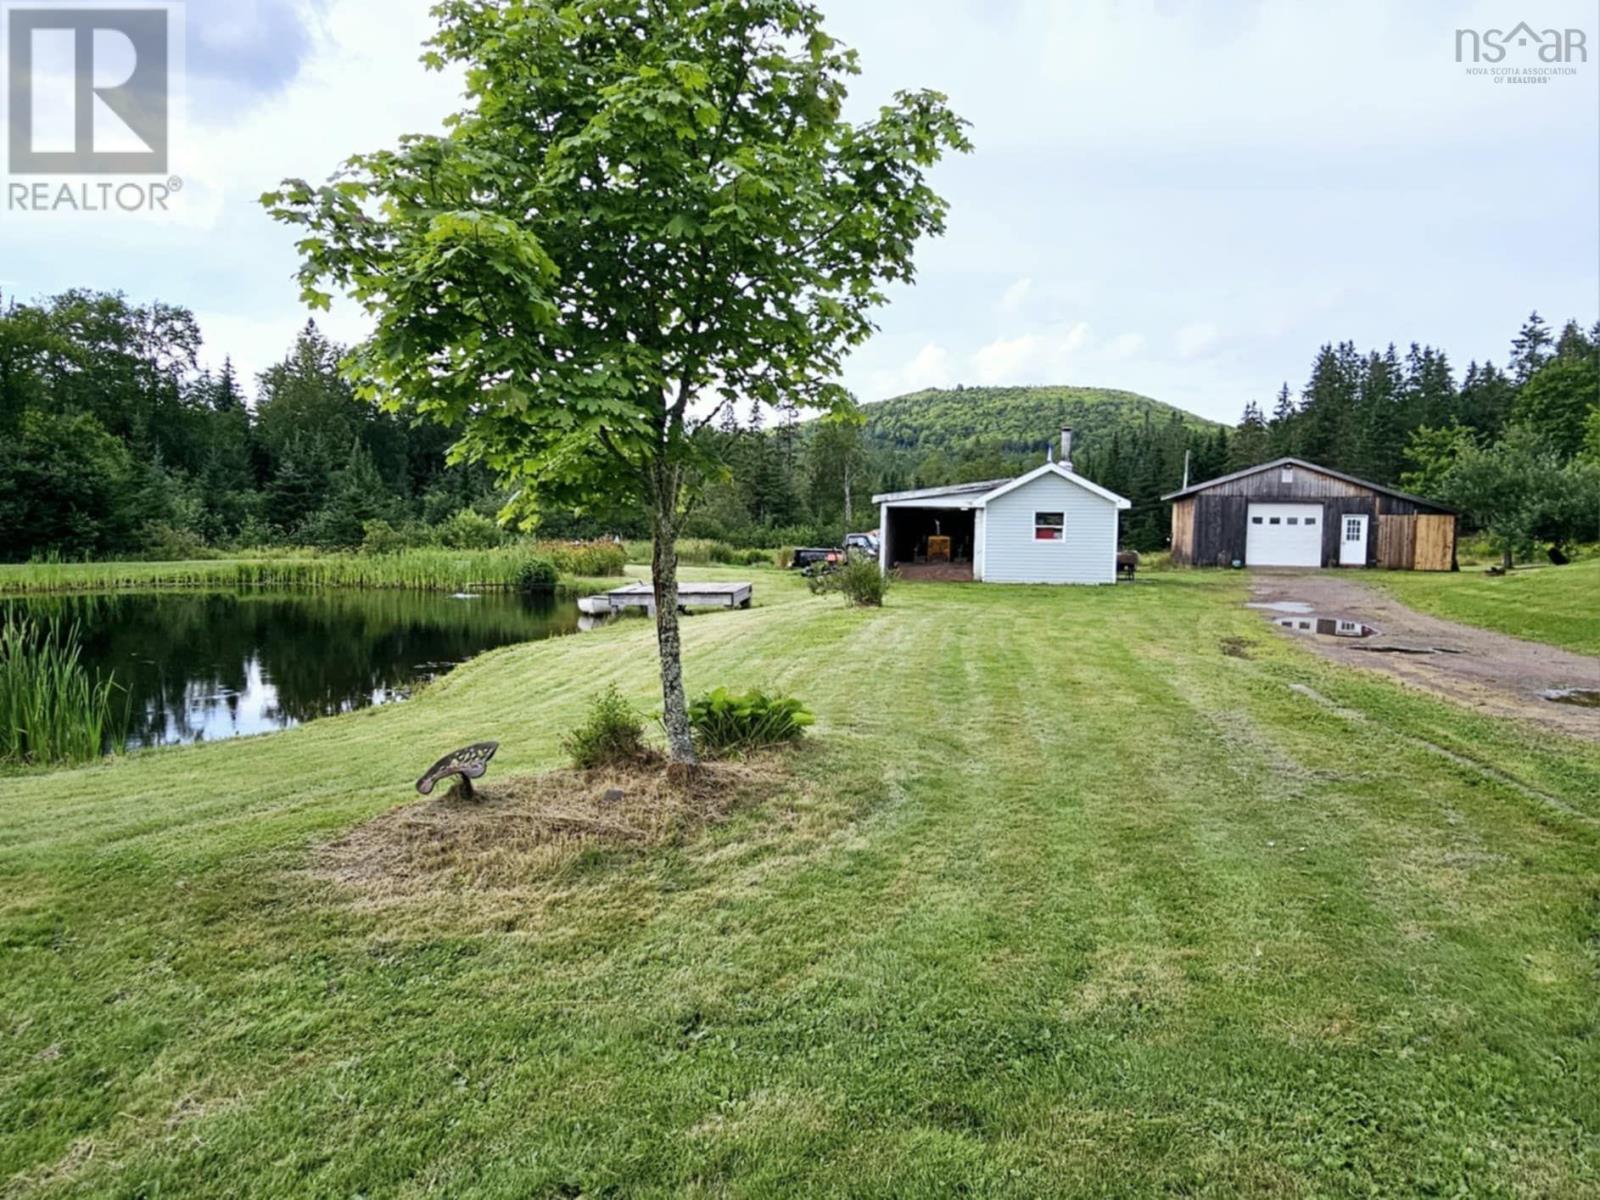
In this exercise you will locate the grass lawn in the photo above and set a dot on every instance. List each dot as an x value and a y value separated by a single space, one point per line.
1066 902
1559 605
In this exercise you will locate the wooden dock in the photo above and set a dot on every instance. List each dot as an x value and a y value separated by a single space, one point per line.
690 595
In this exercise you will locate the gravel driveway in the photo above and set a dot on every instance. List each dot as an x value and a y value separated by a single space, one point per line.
1501 675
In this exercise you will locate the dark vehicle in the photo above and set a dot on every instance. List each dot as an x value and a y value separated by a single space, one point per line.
814 560
865 545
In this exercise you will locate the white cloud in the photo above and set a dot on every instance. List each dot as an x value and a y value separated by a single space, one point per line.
930 367
1015 298
1124 345
1196 338
1043 357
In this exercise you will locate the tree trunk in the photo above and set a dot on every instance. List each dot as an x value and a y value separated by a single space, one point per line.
664 580
849 509
1505 557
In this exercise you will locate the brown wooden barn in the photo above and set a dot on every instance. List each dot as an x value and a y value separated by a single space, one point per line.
1291 513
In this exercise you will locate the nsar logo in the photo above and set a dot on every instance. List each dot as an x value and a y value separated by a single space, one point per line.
1493 45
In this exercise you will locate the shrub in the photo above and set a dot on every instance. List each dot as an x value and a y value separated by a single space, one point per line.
612 735
160 542
700 552
586 558
536 574
724 723
694 551
860 579
469 530
380 537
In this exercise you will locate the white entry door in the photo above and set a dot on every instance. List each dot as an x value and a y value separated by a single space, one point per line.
1353 540
1284 535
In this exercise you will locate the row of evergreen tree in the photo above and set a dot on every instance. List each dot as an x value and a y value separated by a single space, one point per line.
1360 412
117 443
1399 420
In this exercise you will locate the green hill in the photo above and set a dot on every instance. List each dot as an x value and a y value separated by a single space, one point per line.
1012 420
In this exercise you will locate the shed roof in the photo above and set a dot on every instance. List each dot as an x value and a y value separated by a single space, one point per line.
979 494
957 489
1288 461
1066 473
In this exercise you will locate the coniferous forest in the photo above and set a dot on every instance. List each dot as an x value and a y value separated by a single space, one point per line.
118 444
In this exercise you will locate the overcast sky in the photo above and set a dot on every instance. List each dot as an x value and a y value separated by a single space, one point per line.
1179 199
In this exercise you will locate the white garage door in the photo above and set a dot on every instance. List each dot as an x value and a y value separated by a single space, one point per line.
1284 535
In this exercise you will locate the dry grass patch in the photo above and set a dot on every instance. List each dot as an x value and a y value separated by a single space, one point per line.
521 828
1129 981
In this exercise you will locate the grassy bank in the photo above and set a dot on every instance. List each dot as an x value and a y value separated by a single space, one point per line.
1559 605
1064 901
448 570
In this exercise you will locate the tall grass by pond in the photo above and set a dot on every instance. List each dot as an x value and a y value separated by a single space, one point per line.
52 710
429 569
700 552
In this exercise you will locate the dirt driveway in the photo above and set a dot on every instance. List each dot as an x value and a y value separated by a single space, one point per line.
1501 675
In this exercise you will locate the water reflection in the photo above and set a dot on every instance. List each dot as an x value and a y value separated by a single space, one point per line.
200 666
1328 627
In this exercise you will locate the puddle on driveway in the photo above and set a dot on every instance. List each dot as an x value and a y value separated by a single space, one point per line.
1582 697
1283 606
1327 626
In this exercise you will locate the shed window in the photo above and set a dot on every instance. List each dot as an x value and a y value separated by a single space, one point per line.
1049 526
1294 520
1311 520
1275 521
1287 476
1258 520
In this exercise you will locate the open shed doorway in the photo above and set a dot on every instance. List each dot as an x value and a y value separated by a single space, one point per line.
914 548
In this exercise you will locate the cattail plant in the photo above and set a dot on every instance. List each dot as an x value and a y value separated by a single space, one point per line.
52 710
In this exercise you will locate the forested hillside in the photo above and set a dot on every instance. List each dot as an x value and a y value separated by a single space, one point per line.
117 444
1013 422
1128 442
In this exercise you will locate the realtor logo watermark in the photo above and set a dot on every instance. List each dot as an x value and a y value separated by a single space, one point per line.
1522 54
92 94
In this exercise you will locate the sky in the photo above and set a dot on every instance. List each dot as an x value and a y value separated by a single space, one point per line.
1176 199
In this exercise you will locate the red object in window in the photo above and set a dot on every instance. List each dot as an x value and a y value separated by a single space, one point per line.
1047 535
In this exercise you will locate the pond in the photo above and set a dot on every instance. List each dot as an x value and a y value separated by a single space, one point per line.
205 666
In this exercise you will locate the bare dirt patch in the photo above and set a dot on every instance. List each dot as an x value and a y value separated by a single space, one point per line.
935 572
1501 675
1235 647
518 829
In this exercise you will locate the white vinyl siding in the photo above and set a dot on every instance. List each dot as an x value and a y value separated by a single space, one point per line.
1088 553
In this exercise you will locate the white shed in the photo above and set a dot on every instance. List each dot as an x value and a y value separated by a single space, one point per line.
1048 526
